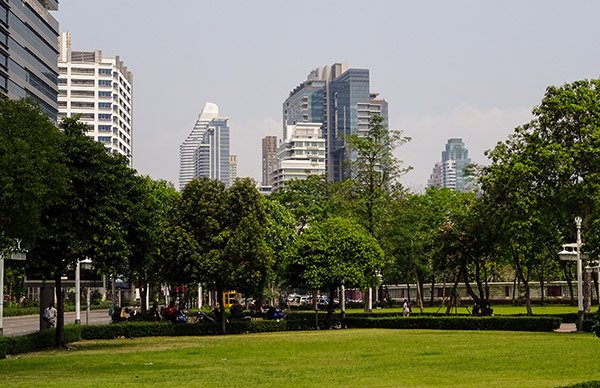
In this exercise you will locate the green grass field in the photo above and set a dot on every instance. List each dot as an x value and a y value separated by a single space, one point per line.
348 358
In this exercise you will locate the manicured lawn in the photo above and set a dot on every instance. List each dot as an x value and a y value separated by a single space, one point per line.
349 358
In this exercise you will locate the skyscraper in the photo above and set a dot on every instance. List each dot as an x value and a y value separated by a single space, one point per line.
269 158
232 169
205 152
99 90
339 98
28 52
450 172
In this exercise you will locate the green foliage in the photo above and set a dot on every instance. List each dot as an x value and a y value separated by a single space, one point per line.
307 199
334 252
31 169
458 323
596 324
36 341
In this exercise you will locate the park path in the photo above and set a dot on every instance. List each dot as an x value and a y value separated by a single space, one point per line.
566 328
26 324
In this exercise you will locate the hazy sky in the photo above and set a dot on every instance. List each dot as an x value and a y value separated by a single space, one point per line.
470 69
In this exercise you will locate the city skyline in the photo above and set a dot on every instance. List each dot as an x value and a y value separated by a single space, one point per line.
468 70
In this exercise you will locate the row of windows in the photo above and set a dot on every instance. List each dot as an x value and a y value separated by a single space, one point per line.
85 71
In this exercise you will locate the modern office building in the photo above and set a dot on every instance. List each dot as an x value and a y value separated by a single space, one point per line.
205 152
301 153
99 90
232 169
28 51
339 98
269 158
450 172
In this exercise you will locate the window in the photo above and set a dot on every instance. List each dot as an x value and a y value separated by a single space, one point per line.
104 82
104 128
81 104
104 139
104 94
81 70
104 117
82 82
104 71
82 93
104 105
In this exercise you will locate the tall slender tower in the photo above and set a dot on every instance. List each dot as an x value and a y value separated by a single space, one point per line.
99 90
205 152
269 158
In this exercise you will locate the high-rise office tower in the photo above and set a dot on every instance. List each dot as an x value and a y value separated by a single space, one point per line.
339 98
205 152
232 169
28 68
300 154
99 90
450 172
269 158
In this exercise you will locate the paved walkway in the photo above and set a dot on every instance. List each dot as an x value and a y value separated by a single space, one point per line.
566 328
30 323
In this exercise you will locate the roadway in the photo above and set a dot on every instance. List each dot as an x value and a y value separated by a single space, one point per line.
14 326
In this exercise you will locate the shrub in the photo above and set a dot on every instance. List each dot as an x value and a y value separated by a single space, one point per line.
458 323
596 324
36 341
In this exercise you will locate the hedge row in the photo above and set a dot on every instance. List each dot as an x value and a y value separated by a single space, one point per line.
39 340
459 323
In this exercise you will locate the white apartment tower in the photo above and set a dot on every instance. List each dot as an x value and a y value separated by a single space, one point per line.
205 152
100 91
301 153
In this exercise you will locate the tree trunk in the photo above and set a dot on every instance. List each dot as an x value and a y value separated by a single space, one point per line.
527 297
432 299
514 293
452 294
222 310
59 339
542 287
316 308
330 308
569 283
419 293
587 291
465 273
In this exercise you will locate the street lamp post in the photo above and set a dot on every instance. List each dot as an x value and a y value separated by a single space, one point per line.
575 255
16 254
85 264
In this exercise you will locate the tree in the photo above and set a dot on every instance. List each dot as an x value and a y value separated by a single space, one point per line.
279 234
333 253
228 227
373 171
153 203
308 199
546 173
31 169
87 219
373 167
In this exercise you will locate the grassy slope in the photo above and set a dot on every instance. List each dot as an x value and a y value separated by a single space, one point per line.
350 358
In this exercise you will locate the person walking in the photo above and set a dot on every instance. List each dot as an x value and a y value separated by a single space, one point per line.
406 308
49 315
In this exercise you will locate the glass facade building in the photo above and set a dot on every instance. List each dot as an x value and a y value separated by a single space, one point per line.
28 52
340 99
450 172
